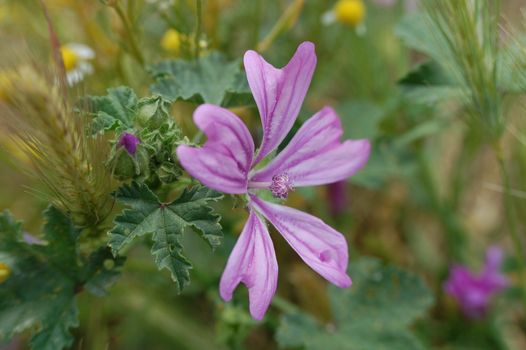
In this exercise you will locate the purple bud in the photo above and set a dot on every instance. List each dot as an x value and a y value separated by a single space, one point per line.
130 142
475 291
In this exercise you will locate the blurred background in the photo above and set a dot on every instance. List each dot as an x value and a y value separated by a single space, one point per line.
431 195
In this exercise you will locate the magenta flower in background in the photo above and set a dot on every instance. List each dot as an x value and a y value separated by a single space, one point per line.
129 142
228 163
475 291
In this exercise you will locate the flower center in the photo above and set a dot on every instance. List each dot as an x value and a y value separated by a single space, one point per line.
69 57
350 12
281 185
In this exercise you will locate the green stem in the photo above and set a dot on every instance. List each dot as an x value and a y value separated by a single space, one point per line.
198 26
136 52
511 220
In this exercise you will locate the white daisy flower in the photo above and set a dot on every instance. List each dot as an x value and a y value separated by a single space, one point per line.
76 59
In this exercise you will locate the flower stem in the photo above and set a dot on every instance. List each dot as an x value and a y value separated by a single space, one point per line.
285 22
512 223
134 47
198 26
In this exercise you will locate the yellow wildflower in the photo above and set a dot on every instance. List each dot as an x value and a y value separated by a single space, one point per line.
76 59
350 12
5 271
171 41
69 57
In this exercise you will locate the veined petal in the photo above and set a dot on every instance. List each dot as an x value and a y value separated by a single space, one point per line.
224 160
320 246
315 155
253 263
279 93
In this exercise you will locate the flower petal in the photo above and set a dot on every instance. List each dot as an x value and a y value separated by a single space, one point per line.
320 246
84 52
252 262
279 93
224 160
315 155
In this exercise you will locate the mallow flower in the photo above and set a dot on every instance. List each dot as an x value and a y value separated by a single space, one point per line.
228 162
475 291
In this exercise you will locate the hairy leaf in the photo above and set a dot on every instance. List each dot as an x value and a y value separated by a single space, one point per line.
373 313
212 79
166 223
115 110
39 293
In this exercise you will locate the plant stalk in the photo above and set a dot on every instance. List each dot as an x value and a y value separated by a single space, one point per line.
135 51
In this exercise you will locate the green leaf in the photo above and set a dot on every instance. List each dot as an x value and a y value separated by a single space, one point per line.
418 32
373 313
115 110
45 277
40 290
428 84
427 73
211 79
102 270
361 119
166 222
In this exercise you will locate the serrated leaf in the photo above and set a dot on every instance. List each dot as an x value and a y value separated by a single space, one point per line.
39 292
55 335
211 79
115 110
166 222
373 313
45 277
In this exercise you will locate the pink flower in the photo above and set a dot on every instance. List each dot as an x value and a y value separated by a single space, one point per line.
474 292
228 163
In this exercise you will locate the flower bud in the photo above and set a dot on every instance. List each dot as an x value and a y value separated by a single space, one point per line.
152 112
129 142
169 172
128 160
171 41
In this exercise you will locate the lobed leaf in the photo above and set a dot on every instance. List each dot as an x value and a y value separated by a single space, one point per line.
45 276
39 292
166 223
212 79
115 110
